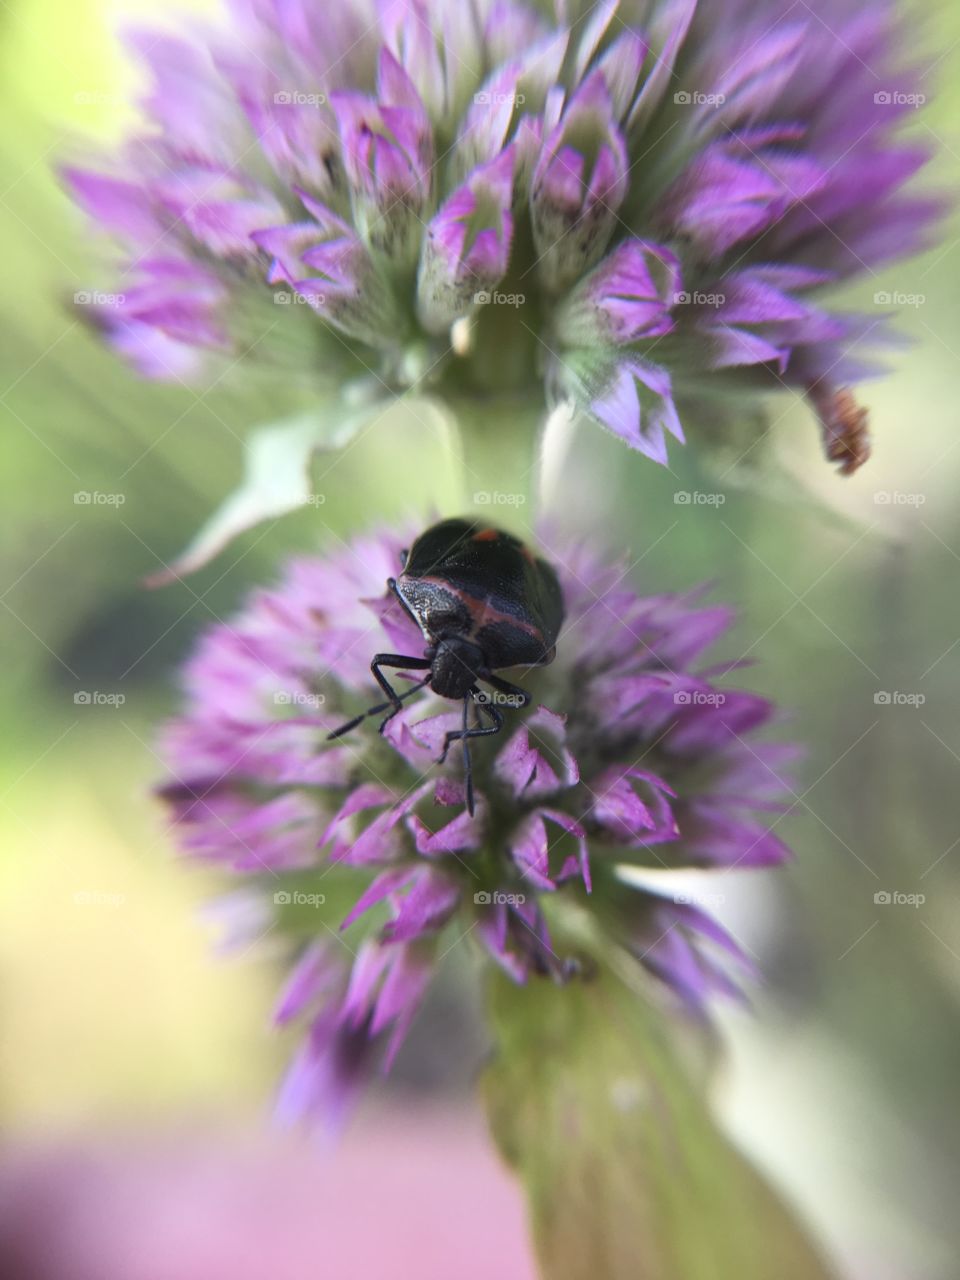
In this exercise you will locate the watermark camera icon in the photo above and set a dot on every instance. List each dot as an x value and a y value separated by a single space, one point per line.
684 98
897 98
699 698
898 698
86 498
283 698
296 98
97 698
898 899
486 498
697 498
499 899
298 898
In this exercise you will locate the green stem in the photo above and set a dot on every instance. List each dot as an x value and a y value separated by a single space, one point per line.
626 1173
499 443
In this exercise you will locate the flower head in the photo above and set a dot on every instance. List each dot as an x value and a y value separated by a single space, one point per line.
631 755
650 200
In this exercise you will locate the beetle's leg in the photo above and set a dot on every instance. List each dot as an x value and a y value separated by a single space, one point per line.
465 734
395 699
514 690
457 735
467 765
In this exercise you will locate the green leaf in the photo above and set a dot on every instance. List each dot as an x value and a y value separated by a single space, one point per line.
276 477
626 1173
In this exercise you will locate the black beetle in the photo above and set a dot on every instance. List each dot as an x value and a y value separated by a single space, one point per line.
483 601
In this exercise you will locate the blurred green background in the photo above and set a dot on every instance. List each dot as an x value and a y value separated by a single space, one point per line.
844 1080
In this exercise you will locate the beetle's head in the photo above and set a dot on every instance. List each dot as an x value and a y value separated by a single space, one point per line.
456 663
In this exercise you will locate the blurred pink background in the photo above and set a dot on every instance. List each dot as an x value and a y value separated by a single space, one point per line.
412 1194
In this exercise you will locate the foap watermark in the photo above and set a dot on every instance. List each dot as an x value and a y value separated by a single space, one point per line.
494 498
316 500
298 898
697 298
706 900
97 698
302 298
498 899
484 298
294 98
88 498
699 698
897 298
896 98
898 698
694 498
897 498
298 699
694 98
496 698
884 898
96 298
98 898
489 98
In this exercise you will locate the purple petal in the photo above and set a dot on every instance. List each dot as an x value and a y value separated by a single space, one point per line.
370 795
665 33
580 864
638 407
574 202
218 212
467 246
403 989
625 299
526 769
619 811
314 975
430 901
461 835
326 1074
191 105
121 207
528 847
386 882
730 193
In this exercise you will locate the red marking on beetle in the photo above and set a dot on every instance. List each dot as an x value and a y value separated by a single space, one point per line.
486 535
481 614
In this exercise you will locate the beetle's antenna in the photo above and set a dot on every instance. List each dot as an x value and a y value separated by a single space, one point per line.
381 706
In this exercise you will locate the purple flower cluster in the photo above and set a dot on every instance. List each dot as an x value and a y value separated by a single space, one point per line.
664 190
633 755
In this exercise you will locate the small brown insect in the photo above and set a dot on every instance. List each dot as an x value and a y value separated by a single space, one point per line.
845 426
